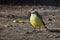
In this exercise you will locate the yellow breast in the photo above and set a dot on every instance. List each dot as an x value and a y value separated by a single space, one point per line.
36 21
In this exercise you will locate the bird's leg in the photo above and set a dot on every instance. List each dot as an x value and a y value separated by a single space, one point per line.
39 29
34 30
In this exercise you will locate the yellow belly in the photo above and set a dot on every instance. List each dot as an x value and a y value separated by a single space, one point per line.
36 23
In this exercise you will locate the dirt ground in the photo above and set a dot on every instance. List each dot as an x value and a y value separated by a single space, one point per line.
20 31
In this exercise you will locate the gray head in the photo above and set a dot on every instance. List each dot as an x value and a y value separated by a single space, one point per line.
34 11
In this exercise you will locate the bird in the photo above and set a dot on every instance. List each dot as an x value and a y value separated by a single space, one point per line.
36 20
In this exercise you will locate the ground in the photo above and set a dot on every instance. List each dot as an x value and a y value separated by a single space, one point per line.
20 31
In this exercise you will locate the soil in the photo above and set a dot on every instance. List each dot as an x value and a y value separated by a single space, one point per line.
23 31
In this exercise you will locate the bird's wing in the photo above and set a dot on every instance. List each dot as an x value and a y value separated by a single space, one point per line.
40 18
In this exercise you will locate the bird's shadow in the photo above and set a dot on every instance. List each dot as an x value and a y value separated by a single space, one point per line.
54 31
50 31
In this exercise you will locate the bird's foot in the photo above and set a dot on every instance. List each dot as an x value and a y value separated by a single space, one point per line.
36 31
